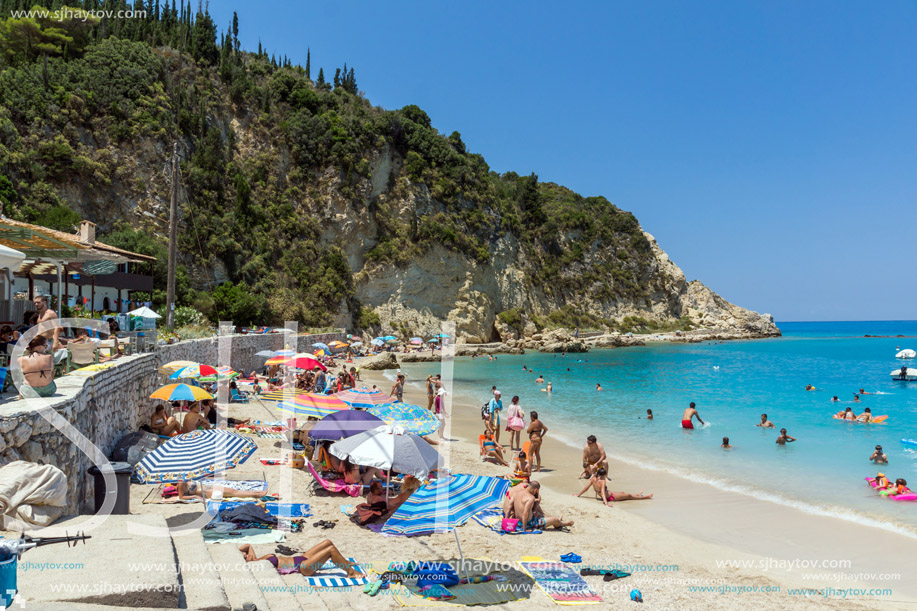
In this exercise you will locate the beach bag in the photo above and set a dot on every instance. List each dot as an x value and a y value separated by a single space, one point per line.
515 422
509 525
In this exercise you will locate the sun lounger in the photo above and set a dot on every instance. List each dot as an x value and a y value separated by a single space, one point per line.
335 486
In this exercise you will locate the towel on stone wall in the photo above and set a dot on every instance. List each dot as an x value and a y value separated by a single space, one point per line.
35 494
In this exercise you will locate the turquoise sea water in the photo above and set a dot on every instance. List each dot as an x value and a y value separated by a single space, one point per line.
732 384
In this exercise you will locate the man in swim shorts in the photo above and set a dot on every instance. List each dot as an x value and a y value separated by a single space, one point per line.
526 508
593 457
689 414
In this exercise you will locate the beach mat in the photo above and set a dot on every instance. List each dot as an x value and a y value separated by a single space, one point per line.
471 594
330 576
560 583
253 536
492 518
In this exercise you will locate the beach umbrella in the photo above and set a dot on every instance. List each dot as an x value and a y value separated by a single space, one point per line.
391 341
338 344
277 360
181 392
390 448
434 341
285 352
173 366
144 312
378 342
363 398
266 353
319 352
304 361
223 373
322 346
416 340
390 338
311 404
194 455
441 335
194 371
446 503
342 424
356 342
412 418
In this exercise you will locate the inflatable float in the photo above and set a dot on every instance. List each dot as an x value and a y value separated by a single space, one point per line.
875 419
909 442
884 491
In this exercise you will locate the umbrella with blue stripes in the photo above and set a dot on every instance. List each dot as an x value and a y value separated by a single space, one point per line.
322 346
194 455
444 504
412 418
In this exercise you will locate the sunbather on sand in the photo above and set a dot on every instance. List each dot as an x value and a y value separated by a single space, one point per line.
352 473
163 424
492 449
408 487
188 491
307 563
525 505
599 482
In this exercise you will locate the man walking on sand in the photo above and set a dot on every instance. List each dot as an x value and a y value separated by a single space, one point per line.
690 413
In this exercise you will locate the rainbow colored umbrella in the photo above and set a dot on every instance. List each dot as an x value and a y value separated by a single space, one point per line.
223 373
311 404
194 371
174 366
363 398
181 392
412 418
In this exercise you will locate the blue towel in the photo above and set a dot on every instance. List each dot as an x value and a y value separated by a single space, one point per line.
297 510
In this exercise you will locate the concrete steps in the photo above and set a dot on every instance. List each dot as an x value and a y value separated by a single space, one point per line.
239 583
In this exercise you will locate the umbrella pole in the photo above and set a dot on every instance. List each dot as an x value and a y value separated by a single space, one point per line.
461 555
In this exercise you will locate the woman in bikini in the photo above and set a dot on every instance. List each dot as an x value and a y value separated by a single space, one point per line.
492 449
163 424
307 563
38 368
599 483
189 491
352 473
537 430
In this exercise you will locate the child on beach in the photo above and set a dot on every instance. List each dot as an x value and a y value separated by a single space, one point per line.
900 487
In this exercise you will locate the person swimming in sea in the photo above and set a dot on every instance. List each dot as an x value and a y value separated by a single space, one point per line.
690 413
539 380
598 387
866 416
765 423
809 387
649 414
879 457
834 398
856 398
847 414
726 445
900 487
863 392
548 388
783 439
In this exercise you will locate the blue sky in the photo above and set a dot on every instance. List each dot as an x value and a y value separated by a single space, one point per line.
771 147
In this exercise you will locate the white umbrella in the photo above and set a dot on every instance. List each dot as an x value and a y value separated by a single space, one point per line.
389 447
144 312
10 258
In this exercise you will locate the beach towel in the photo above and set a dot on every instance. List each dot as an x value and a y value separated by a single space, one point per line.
336 486
348 509
245 485
561 583
330 576
246 535
297 510
472 594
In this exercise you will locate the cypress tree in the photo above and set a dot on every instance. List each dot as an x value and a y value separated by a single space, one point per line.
321 77
308 64
259 48
235 32
337 78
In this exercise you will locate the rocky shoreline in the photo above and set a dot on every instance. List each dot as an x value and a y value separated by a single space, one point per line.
559 340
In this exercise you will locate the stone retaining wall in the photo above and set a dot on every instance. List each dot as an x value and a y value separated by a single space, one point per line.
110 403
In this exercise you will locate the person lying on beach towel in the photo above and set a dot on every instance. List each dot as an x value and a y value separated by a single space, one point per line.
599 482
307 563
188 491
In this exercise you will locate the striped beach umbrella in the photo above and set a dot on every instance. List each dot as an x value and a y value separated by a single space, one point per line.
276 360
321 346
194 455
311 404
389 447
194 371
444 504
412 418
363 398
181 392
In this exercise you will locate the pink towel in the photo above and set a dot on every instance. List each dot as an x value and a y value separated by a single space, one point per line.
336 486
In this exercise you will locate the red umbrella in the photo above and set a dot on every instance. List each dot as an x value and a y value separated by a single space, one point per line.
304 361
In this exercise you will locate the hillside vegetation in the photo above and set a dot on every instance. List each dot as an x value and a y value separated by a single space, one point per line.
89 109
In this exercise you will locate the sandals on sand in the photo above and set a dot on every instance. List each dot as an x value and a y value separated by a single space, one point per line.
325 524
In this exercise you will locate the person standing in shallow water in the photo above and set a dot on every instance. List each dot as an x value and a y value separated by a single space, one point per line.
690 414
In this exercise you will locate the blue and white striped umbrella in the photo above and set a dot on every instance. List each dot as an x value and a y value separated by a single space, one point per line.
444 504
194 455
